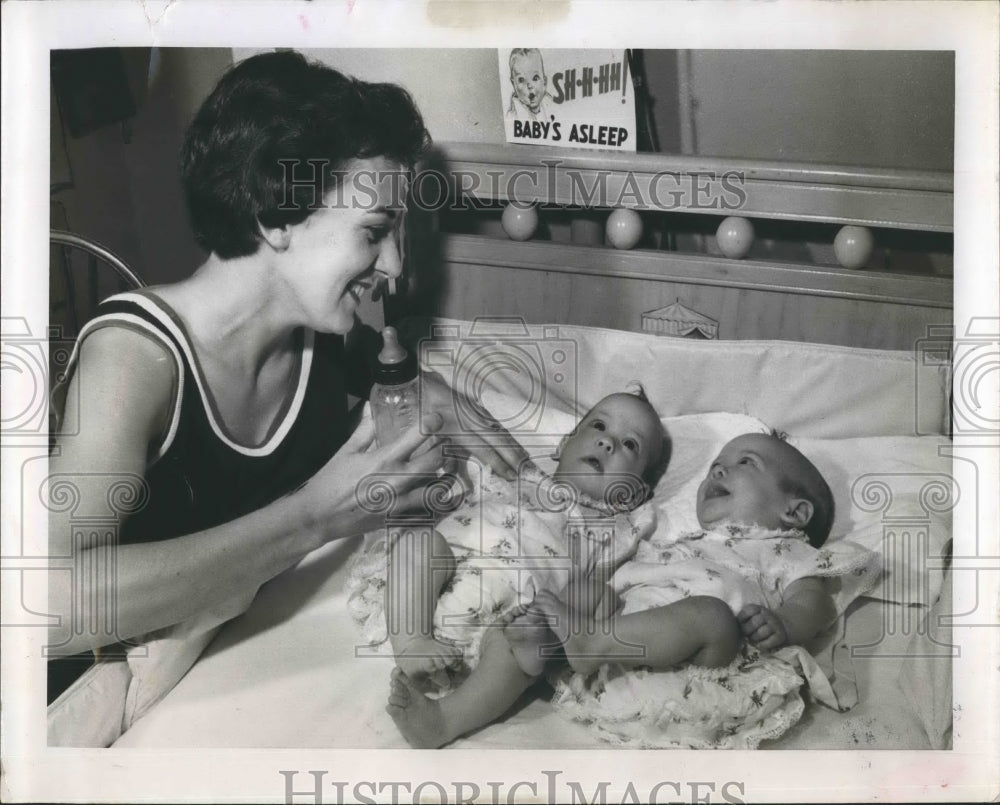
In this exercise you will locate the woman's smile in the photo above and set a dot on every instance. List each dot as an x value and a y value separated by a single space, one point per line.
357 288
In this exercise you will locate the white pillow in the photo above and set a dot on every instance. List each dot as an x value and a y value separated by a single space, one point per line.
166 655
697 440
893 494
89 712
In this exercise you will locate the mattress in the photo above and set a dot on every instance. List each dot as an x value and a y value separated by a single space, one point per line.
292 670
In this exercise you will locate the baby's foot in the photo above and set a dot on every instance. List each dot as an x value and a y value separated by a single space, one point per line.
531 641
573 637
418 718
421 655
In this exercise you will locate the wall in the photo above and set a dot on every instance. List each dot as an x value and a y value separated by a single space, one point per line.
457 91
127 195
880 109
864 108
877 108
180 79
125 187
95 199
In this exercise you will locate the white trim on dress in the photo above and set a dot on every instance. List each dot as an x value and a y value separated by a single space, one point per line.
144 325
291 415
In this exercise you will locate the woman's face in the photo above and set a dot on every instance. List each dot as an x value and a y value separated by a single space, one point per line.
347 247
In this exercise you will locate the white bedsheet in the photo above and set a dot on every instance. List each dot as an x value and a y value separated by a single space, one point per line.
285 674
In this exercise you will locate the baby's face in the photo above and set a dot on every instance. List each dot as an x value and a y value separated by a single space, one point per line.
616 443
743 484
528 77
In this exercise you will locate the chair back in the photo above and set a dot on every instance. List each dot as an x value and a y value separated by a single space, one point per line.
82 273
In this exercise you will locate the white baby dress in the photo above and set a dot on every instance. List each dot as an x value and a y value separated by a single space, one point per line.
757 696
509 539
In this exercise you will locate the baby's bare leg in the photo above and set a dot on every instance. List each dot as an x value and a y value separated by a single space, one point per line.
532 641
491 689
420 564
701 630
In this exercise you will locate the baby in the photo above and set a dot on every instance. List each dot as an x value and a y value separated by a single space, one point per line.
757 480
510 545
753 574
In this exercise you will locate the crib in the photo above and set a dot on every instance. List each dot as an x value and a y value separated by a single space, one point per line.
789 284
850 363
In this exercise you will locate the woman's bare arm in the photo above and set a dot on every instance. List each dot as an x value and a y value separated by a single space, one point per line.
122 394
486 439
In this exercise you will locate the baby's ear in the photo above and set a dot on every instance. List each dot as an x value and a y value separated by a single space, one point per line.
797 514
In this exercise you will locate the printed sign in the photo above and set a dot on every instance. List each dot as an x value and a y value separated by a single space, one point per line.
571 98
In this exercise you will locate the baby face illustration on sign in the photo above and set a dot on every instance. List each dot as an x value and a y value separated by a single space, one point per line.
527 76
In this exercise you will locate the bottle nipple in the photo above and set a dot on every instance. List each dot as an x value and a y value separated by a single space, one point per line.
392 351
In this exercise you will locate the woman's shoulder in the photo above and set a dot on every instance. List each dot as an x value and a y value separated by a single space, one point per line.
126 347
143 325
122 380
127 366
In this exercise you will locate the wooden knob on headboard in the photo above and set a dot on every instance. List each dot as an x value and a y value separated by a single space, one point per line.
624 228
735 237
854 246
519 220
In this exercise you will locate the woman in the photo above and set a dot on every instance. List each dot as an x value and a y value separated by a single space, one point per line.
226 392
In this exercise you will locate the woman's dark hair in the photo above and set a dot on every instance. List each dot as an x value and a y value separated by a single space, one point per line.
267 143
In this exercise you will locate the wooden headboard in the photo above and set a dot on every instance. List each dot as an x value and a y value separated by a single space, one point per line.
462 263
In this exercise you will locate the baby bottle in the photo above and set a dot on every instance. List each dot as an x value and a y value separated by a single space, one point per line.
395 396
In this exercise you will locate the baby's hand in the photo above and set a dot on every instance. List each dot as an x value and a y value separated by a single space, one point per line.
762 627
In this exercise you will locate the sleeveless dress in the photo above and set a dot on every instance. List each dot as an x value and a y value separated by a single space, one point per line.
198 477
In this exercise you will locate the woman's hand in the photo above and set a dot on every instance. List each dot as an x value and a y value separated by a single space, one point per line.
487 440
762 627
360 486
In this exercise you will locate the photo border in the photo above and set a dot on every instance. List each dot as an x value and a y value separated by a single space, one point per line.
967 772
